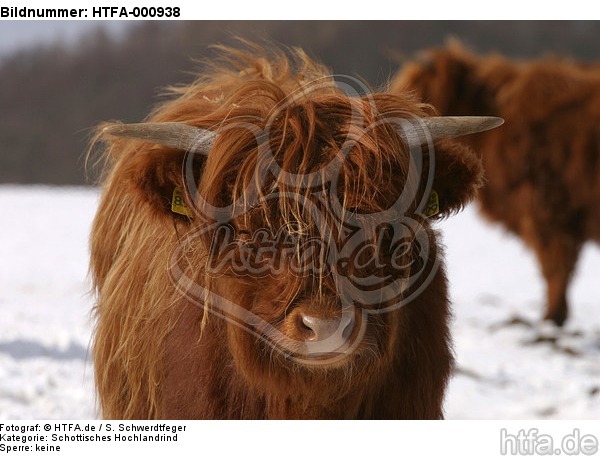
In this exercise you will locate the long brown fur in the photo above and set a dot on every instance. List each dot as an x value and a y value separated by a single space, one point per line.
157 354
542 166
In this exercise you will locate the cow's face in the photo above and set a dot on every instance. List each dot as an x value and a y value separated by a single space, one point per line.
307 295
311 295
309 225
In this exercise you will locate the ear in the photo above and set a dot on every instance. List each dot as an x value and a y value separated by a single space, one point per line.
457 176
162 153
150 175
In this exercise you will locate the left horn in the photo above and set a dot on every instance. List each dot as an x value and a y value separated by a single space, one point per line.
171 134
449 127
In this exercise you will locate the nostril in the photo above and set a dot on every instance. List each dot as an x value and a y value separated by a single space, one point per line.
307 327
317 329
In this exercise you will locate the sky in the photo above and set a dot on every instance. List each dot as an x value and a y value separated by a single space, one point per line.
16 35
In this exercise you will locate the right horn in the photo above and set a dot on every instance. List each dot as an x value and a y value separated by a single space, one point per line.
442 127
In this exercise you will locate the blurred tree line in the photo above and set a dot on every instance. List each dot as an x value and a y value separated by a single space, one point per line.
52 96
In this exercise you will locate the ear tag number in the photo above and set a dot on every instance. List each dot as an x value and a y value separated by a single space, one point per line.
433 204
178 204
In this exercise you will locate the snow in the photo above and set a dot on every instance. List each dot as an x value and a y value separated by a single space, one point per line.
510 366
45 318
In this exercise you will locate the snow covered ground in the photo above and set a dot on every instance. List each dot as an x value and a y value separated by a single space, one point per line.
45 319
509 366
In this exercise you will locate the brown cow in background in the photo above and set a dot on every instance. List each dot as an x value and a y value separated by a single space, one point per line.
542 168
285 343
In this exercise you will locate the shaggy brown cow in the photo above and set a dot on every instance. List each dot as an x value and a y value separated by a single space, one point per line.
542 167
291 210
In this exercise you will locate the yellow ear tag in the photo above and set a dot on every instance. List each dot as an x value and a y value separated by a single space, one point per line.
178 204
433 204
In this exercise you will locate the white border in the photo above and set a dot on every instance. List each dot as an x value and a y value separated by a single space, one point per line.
348 9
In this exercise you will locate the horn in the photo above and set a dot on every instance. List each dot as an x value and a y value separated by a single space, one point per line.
171 134
448 127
